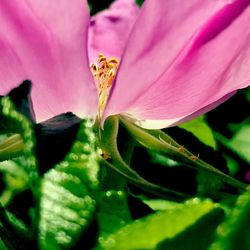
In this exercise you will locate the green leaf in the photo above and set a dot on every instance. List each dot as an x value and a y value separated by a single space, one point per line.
21 142
160 205
14 169
240 142
147 232
17 158
67 194
198 236
234 232
208 185
109 217
15 178
232 164
2 246
200 129
12 232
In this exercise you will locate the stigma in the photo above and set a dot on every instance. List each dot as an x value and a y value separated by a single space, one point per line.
104 72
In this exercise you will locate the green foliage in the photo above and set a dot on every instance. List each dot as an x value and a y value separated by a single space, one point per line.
208 185
240 142
147 232
18 167
2 246
201 130
234 232
113 212
12 122
196 237
160 205
67 194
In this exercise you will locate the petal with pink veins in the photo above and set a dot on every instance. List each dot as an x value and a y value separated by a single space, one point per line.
182 57
46 42
109 29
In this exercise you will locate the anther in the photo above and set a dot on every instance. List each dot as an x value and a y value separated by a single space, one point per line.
104 72
102 59
113 60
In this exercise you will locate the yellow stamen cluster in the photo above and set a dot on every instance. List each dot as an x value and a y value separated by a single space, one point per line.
104 72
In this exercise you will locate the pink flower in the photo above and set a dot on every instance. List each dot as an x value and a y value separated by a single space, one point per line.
182 58
109 30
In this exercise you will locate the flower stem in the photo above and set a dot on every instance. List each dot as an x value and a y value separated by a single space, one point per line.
159 141
108 143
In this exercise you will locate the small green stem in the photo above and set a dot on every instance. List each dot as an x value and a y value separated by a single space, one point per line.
161 142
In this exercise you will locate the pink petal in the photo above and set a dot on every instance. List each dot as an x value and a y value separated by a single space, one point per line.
183 56
158 124
46 42
110 29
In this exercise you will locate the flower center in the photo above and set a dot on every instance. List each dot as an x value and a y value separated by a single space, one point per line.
104 72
